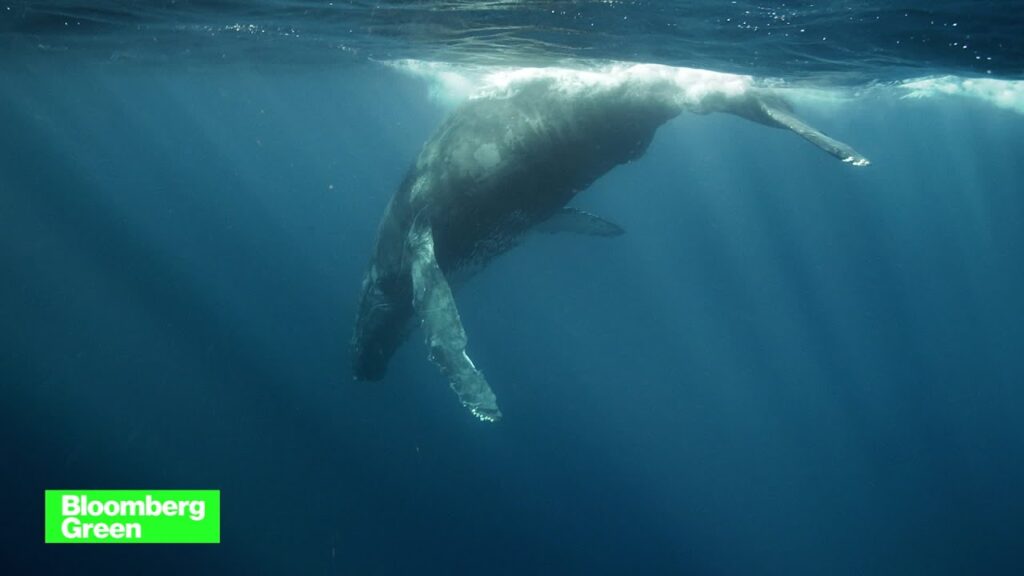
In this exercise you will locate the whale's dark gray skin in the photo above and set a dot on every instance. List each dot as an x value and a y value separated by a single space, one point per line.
510 160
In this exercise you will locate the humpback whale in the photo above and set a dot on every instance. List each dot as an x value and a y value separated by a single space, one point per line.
509 160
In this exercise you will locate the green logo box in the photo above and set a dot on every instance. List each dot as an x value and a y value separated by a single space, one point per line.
132 516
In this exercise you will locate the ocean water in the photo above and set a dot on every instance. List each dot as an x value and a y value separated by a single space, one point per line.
785 366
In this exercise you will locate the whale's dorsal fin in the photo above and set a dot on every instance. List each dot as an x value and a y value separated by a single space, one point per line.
446 338
579 222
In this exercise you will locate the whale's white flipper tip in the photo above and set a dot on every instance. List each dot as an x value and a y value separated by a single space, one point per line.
857 161
486 414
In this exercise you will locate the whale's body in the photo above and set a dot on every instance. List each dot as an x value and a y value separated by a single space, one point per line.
507 161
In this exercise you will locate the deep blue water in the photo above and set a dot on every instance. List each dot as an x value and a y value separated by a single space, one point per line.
786 366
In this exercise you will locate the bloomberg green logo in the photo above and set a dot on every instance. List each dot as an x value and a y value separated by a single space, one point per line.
132 516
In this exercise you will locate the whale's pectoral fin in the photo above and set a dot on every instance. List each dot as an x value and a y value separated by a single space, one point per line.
784 119
771 110
579 222
445 336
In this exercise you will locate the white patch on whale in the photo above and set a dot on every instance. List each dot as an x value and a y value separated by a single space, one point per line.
487 156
